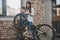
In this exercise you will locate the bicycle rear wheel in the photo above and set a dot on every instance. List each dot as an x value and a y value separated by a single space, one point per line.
46 32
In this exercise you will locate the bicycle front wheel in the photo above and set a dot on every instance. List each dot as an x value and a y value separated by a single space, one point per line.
46 32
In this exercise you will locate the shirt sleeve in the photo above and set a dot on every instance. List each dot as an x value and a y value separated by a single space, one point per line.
32 11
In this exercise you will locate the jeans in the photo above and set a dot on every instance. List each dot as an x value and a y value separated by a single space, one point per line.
32 30
30 25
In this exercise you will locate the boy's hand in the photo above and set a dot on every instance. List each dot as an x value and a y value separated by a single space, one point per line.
17 21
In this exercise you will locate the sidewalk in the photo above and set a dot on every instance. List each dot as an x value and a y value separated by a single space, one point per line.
57 38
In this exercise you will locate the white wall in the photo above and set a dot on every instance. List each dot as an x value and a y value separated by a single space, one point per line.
47 12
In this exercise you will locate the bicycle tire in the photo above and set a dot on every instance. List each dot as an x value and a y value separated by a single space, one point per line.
15 25
53 32
18 26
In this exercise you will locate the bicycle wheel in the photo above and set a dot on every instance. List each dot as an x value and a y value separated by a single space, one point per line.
17 22
46 32
19 26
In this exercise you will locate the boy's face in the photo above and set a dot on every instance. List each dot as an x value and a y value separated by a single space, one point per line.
22 10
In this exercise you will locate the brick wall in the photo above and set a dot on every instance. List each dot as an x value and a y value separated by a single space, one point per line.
39 10
7 30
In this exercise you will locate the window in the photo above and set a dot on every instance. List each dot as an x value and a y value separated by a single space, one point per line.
58 2
13 7
0 7
59 12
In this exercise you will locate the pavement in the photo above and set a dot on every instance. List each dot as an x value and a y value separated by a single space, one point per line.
57 38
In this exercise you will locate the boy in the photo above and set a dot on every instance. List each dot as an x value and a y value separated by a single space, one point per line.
20 19
23 22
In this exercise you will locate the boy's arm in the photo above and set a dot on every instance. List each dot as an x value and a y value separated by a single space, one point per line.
17 18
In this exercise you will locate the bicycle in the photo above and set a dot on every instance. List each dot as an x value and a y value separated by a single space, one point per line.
41 31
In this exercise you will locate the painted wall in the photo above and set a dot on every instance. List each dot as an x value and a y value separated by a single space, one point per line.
47 12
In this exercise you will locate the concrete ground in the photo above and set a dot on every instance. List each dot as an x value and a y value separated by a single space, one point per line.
57 38
27 35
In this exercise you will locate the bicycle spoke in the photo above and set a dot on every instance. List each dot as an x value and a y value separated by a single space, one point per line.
45 33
